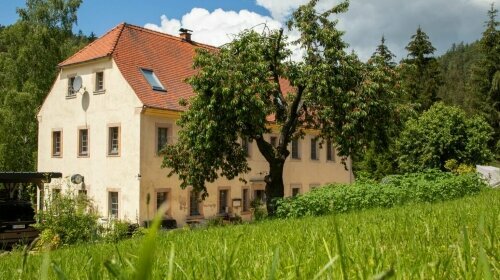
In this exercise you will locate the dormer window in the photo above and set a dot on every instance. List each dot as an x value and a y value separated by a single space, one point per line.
152 79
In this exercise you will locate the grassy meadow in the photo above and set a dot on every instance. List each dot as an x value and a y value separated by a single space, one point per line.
450 240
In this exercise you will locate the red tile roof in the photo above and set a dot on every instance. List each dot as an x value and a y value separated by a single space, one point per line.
133 47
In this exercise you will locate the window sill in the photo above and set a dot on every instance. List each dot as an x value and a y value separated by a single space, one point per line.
56 156
83 156
194 218
330 161
113 155
71 96
97 92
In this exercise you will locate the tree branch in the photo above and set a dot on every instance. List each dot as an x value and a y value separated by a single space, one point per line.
279 99
291 124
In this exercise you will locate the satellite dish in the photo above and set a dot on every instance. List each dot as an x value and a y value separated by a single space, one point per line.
77 179
85 101
77 83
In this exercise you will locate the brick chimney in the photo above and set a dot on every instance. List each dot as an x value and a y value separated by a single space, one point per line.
185 34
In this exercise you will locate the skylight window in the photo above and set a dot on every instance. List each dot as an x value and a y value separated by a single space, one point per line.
152 79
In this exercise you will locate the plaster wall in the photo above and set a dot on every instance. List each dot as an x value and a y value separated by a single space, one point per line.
118 106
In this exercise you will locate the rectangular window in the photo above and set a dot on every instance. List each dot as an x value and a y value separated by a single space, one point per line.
83 142
245 144
153 81
113 204
260 195
295 149
330 151
246 200
194 204
56 193
71 92
99 81
56 143
314 149
82 193
114 141
274 141
161 140
295 191
161 197
223 201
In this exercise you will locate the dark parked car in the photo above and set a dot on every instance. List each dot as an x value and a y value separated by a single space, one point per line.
16 220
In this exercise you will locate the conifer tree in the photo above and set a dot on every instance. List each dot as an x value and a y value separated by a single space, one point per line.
485 84
420 71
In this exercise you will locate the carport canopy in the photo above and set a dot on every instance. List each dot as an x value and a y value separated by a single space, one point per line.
28 177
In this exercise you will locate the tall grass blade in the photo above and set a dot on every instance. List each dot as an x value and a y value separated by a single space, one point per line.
170 275
326 267
147 253
58 271
274 266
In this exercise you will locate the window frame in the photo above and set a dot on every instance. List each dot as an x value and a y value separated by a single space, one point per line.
53 146
169 133
199 205
110 204
297 145
245 200
227 202
70 93
295 186
314 149
79 148
96 81
330 151
109 145
159 86
168 200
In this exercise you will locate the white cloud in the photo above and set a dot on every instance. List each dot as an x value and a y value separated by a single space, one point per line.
445 22
214 28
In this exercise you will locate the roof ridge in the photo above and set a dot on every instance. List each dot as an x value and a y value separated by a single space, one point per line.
173 37
121 25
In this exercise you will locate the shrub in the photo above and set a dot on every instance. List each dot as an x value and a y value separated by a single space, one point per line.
70 217
440 134
429 186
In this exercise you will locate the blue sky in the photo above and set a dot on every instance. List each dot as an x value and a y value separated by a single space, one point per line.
98 16
216 21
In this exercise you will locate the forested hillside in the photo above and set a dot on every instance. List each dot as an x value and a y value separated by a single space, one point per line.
30 50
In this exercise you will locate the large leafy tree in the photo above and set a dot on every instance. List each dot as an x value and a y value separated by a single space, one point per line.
240 93
440 134
420 71
485 84
30 50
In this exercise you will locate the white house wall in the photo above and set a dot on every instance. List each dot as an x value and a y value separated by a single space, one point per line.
117 105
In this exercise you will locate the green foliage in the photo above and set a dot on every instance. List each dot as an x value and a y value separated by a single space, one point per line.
333 92
420 71
18 132
430 186
440 134
456 66
485 82
453 166
452 240
119 230
30 50
70 217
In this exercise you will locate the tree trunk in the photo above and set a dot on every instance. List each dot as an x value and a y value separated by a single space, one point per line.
274 185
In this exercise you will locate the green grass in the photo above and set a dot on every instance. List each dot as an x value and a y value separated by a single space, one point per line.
450 240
